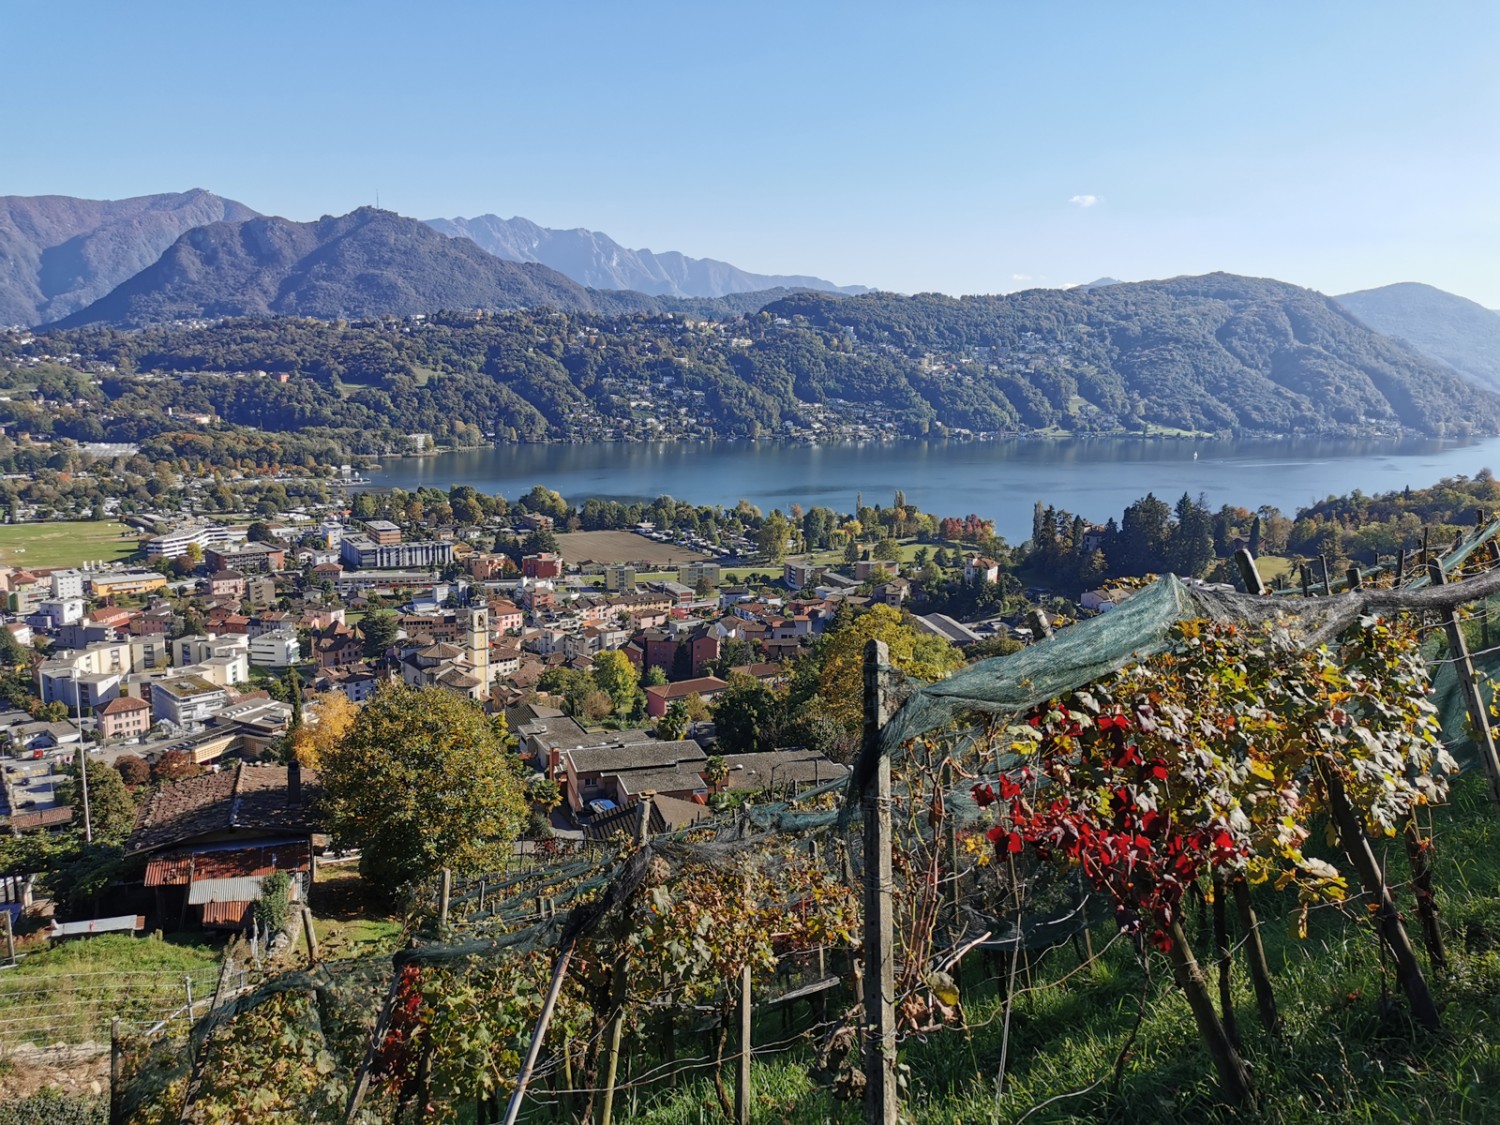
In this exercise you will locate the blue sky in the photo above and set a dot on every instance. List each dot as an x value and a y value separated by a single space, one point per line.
959 147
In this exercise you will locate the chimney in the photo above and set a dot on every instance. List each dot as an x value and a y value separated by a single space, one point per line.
294 783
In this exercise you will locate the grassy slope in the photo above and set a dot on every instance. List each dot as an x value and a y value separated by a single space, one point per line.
67 994
1347 1054
64 544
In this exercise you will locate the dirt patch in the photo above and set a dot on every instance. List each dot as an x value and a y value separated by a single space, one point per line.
81 1070
624 547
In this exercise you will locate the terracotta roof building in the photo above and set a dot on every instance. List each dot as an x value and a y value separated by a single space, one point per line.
212 839
240 803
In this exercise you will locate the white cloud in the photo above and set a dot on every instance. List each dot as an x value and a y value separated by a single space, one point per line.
1020 277
1084 200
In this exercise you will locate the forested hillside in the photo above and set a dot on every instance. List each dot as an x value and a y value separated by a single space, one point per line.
1211 353
1218 354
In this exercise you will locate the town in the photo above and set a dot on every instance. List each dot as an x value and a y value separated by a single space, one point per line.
622 663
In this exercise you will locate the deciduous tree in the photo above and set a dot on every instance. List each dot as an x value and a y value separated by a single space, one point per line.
423 780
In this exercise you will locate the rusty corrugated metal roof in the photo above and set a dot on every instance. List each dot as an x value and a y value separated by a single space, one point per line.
170 871
226 915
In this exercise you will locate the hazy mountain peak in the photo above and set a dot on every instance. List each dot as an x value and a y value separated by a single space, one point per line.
58 253
370 262
1454 330
598 261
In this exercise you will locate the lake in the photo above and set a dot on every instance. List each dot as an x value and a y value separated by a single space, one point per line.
1094 477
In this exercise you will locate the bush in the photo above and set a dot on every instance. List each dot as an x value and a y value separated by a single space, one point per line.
52 1107
175 765
274 904
134 771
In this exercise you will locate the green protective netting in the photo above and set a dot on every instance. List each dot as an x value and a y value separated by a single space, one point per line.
1449 697
1454 560
1089 650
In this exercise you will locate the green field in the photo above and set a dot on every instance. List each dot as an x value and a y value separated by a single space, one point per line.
65 544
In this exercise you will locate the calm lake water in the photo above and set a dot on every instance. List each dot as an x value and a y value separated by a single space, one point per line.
1001 481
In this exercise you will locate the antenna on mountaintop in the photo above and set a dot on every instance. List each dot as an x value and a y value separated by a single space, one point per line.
377 199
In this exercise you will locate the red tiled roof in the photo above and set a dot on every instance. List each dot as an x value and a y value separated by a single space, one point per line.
42 818
688 687
124 704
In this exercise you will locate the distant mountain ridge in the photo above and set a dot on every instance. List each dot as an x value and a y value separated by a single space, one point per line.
1236 356
1218 353
599 262
364 264
59 254
1451 329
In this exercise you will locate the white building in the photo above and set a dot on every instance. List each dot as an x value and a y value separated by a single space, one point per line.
186 699
61 611
275 650
67 584
77 691
196 648
176 543
226 670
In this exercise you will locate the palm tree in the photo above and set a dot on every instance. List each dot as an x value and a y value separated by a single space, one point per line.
716 772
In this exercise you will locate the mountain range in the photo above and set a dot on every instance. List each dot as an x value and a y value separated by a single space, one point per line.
598 261
58 254
1451 329
367 263
196 255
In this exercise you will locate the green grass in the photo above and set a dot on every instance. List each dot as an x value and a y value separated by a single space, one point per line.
347 924
1272 567
69 543
69 993
1347 1052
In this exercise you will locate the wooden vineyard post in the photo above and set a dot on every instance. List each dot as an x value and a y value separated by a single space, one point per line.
617 1020
10 939
1352 576
1387 918
539 1036
643 825
116 1071
310 934
742 1085
821 1003
1248 572
950 827
1400 567
1479 717
1255 954
1234 1076
377 1037
881 1101
1306 581
1323 565
444 894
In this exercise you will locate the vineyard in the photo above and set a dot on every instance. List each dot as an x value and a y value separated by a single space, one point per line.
1195 856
